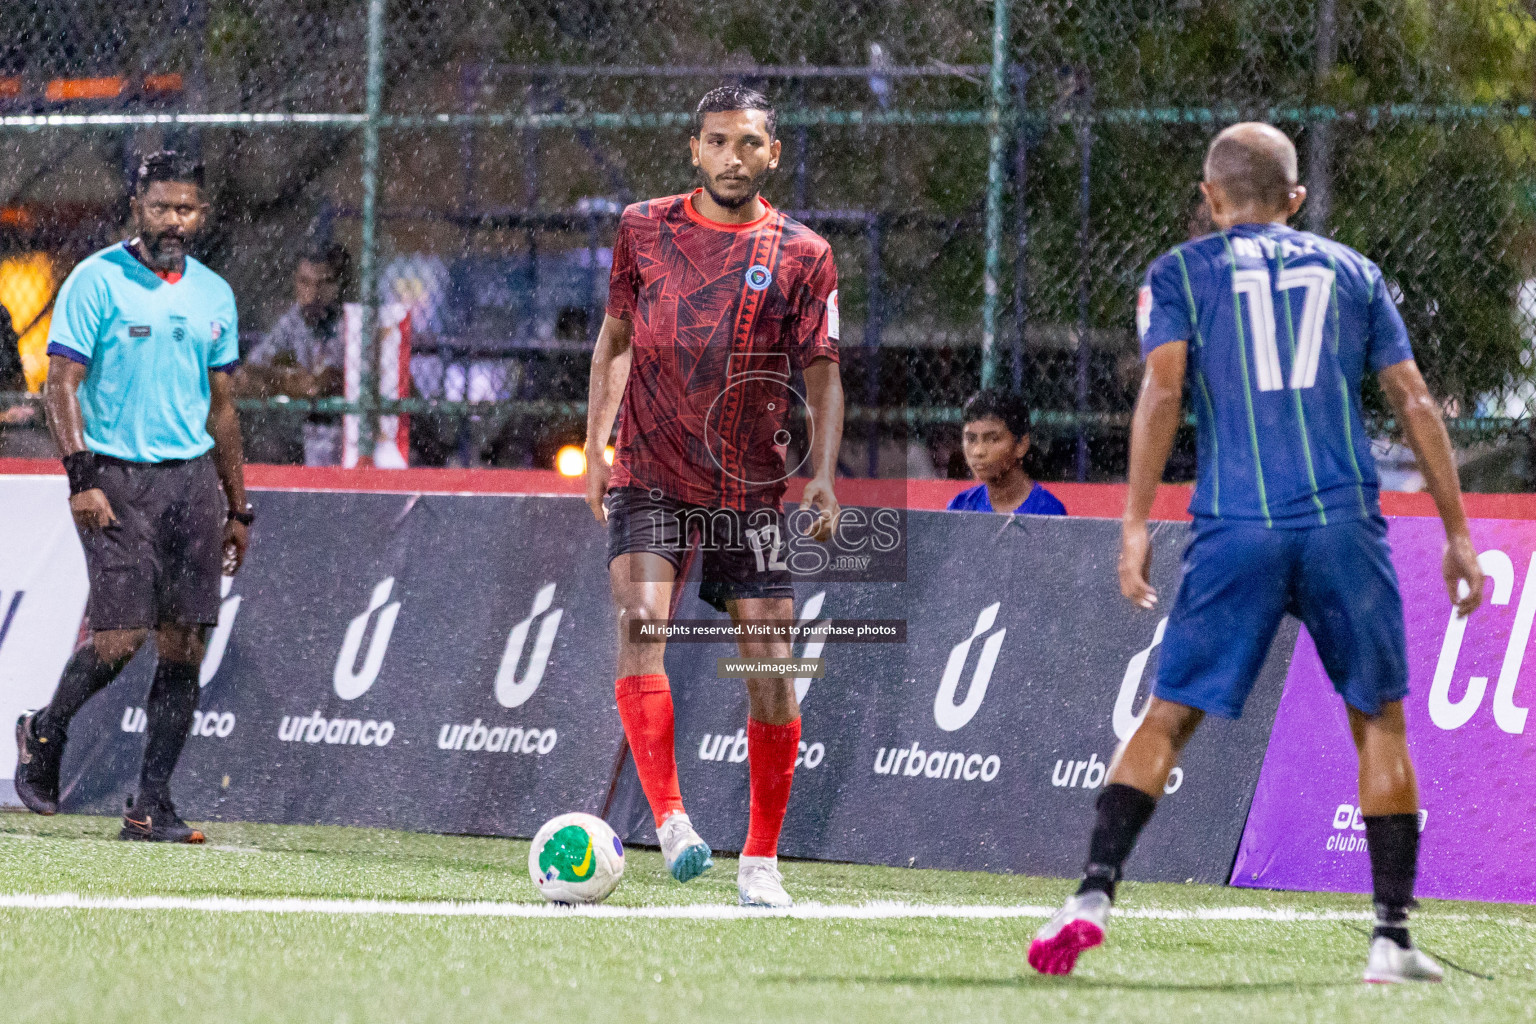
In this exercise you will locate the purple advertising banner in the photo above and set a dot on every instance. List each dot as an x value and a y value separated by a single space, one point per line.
1470 685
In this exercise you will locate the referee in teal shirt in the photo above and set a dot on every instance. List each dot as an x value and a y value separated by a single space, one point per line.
140 404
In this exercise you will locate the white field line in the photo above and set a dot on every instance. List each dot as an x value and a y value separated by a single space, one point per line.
692 912
872 911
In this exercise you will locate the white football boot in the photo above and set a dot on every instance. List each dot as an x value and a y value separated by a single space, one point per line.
1390 963
759 884
687 855
1077 926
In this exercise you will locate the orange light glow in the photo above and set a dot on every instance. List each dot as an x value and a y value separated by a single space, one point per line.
26 287
162 83
62 90
570 461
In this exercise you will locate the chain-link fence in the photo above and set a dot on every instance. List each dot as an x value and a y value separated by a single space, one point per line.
993 178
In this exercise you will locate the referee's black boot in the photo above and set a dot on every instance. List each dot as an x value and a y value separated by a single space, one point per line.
37 767
153 819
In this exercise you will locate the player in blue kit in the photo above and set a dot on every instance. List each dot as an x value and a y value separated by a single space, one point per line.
1273 330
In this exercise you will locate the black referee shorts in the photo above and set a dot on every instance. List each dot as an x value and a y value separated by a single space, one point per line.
744 552
162 561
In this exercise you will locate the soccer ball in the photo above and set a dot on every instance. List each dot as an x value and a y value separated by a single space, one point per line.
576 858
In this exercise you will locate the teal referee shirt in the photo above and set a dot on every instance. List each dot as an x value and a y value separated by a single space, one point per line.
149 343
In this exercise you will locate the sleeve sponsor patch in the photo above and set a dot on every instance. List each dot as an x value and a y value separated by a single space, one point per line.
1143 310
834 321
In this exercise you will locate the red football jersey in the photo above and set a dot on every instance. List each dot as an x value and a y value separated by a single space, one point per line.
722 313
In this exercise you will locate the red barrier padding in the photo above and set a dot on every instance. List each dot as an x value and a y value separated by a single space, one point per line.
1101 501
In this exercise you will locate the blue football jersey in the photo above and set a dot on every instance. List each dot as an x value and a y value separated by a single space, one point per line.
1281 325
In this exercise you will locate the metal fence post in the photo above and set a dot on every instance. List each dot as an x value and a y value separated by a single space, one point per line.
874 326
1084 283
1320 132
368 388
997 102
1020 76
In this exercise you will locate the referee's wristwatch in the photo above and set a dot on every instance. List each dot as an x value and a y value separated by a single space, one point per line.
245 517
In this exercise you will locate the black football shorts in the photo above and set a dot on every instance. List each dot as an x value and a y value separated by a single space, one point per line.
161 563
743 552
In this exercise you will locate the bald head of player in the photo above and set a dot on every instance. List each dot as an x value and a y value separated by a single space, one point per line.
1250 176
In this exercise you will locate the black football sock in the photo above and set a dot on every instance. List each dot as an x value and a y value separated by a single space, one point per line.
85 675
1123 811
1393 840
168 719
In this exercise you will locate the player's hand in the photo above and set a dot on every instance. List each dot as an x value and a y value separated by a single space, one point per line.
818 495
1136 565
92 510
1463 576
237 537
598 472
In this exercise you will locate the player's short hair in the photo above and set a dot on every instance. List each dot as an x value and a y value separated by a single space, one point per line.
733 97
167 165
991 403
1254 163
333 256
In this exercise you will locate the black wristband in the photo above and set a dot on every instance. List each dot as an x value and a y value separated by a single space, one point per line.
81 468
245 517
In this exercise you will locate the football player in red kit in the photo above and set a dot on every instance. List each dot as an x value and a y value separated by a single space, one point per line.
715 299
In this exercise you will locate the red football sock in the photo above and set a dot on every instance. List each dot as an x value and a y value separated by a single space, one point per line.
771 754
645 706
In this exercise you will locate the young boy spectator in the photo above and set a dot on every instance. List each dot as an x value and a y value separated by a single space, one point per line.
995 441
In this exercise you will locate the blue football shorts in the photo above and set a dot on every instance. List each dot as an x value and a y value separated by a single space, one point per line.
1241 578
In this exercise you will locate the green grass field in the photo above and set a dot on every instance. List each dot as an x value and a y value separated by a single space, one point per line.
179 964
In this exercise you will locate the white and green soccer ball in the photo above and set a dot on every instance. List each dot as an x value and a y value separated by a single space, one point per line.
576 858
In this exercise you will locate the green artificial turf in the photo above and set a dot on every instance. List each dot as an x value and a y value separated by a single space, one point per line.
116 965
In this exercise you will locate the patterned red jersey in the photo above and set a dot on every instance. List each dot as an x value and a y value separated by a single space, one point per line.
722 315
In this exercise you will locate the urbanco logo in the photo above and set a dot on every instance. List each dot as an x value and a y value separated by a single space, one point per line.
1448 714
213 657
511 691
810 612
8 611
351 683
949 715
1125 717
217 724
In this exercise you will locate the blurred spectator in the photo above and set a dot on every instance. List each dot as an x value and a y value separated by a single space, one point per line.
1198 220
303 355
12 376
996 442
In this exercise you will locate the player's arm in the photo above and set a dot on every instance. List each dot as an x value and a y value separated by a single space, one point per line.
611 360
1425 430
824 397
61 400
1153 425
229 459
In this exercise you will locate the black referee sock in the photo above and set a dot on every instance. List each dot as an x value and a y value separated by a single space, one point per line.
172 700
85 675
1123 811
1393 840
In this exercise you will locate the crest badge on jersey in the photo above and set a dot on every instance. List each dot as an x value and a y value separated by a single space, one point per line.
759 277
834 321
216 329
1143 310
